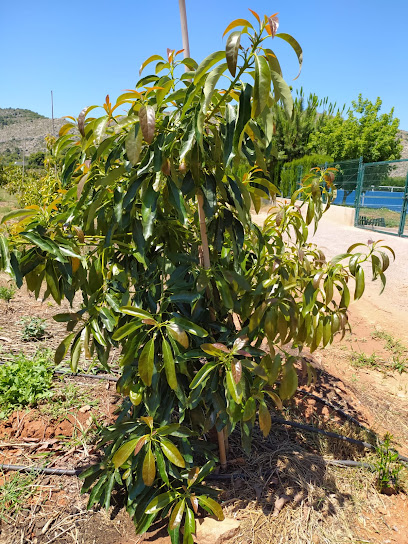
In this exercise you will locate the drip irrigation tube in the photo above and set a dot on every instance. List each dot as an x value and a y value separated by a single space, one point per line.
311 429
80 375
43 470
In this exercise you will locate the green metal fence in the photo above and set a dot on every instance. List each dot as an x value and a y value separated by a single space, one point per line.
382 197
345 179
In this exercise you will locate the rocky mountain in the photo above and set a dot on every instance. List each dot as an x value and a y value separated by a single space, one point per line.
22 129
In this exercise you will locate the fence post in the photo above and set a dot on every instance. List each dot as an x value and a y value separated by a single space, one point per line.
404 209
360 178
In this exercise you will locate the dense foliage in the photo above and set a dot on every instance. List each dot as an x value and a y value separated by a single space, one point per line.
153 228
364 133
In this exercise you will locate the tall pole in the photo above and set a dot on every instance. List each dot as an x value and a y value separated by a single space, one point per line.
53 129
184 28
52 114
222 437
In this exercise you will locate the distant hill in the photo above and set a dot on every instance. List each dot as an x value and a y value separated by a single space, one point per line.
22 129
9 116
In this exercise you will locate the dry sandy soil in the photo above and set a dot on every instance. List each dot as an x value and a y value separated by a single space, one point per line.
287 492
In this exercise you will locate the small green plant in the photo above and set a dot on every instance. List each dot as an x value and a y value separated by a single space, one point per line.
399 363
387 466
7 293
25 381
33 328
391 344
14 493
361 359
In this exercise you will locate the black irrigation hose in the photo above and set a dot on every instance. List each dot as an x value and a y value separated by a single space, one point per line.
43 470
79 375
331 435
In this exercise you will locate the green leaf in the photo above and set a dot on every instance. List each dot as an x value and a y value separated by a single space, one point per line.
189 527
177 514
235 389
169 365
177 200
275 399
215 350
133 144
210 84
360 283
243 114
136 312
52 281
190 327
126 330
18 213
282 92
5 255
231 51
149 205
249 409
265 421
298 50
289 382
178 334
146 362
125 451
262 85
172 453
148 61
202 374
237 22
206 64
76 350
62 349
149 467
211 505
161 464
160 502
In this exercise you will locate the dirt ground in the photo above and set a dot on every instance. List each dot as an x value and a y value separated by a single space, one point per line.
287 492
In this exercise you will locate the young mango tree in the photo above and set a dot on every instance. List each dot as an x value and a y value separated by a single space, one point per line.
153 230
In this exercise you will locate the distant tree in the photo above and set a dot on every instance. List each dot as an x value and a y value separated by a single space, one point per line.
293 133
36 160
364 133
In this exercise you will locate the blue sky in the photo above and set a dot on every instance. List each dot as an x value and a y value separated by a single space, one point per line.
83 50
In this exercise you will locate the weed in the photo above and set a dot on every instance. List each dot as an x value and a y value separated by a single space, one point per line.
7 293
360 359
33 328
391 344
399 360
25 381
387 466
399 363
14 493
